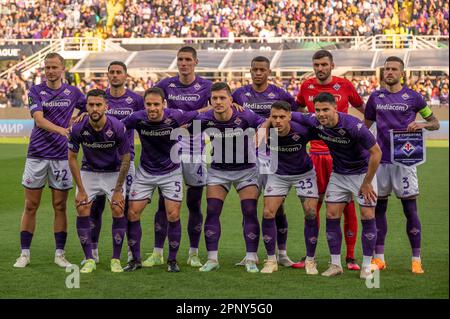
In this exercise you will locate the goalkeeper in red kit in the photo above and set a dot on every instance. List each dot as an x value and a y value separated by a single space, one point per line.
344 93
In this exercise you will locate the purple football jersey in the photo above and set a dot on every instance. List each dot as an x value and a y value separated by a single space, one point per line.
121 107
392 111
349 141
225 135
57 106
155 138
291 150
260 103
101 149
186 97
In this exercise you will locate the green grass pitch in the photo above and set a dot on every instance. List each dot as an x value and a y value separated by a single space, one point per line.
43 279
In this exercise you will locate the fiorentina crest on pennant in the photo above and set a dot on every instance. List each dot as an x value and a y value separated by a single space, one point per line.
407 148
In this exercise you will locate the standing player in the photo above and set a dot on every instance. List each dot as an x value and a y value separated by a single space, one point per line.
156 170
232 165
259 97
344 93
187 92
121 103
396 107
356 156
106 161
51 105
294 168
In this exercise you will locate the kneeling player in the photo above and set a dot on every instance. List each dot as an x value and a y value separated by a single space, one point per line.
294 168
156 169
105 165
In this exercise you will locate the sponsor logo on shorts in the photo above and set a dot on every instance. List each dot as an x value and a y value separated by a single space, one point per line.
309 193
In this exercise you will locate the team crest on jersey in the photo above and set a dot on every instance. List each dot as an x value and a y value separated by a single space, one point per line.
197 86
341 131
133 194
109 133
172 85
28 181
336 86
129 100
168 121
311 87
405 96
67 92
296 137
85 133
408 148
271 95
237 121
248 94
310 98
269 189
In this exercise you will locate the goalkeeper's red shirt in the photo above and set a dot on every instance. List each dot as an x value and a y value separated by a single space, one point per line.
344 93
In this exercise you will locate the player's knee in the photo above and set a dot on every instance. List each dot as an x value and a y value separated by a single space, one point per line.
117 211
132 215
60 206
268 213
310 213
368 213
31 207
173 215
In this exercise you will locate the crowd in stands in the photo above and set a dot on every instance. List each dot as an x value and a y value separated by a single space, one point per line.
433 88
40 19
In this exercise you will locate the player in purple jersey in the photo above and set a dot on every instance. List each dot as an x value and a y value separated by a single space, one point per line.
157 169
121 103
51 104
105 164
188 92
233 164
293 168
396 107
356 156
259 97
